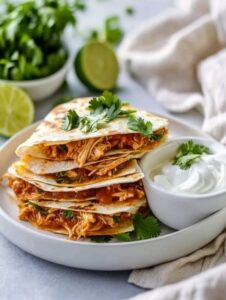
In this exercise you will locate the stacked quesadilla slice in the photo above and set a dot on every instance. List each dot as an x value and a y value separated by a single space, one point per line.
82 179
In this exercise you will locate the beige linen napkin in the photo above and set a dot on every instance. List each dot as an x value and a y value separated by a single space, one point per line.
208 286
201 260
176 57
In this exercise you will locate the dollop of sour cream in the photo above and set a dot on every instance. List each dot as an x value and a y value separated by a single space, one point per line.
207 175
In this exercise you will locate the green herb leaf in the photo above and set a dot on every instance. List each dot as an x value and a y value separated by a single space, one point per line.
103 110
38 208
146 228
62 148
139 125
69 214
31 37
188 153
123 236
101 239
80 5
71 121
112 30
116 219
62 178
129 10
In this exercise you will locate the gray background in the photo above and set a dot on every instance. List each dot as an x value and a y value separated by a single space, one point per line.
23 276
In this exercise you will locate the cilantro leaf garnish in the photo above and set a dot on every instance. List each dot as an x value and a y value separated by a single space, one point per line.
129 10
146 228
103 110
68 214
112 31
71 120
143 127
123 236
101 239
109 106
188 153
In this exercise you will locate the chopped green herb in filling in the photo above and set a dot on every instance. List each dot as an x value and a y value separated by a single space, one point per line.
68 214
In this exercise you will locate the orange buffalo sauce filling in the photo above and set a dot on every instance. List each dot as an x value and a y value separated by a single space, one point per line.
88 173
75 225
94 148
117 192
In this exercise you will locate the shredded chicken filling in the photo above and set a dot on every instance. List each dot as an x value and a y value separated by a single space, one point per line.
93 149
88 173
117 192
75 225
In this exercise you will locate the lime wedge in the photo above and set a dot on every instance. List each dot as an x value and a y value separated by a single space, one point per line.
16 110
97 66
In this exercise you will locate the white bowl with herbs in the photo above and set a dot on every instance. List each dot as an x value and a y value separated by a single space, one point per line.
185 180
34 57
39 89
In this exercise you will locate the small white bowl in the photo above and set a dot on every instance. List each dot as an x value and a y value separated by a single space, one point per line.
39 89
179 210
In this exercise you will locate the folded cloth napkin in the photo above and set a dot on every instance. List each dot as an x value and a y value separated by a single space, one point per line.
176 56
209 286
201 260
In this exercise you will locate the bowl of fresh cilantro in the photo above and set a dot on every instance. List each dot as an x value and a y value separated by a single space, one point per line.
32 53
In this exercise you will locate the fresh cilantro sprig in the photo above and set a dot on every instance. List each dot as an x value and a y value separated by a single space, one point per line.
139 125
143 127
188 153
71 120
144 228
103 110
108 107
111 31
129 10
100 239
123 237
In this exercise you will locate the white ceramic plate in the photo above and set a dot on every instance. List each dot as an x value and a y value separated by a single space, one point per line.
105 256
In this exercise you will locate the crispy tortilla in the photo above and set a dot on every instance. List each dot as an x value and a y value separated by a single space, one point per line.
43 166
75 224
128 206
25 190
51 179
129 175
49 132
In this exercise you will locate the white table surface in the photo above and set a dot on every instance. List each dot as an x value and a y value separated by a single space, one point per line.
23 276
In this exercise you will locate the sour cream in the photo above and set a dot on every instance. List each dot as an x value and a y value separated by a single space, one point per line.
207 175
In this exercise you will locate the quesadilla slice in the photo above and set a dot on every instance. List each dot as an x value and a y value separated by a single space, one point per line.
26 191
76 224
131 173
127 206
43 166
50 141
